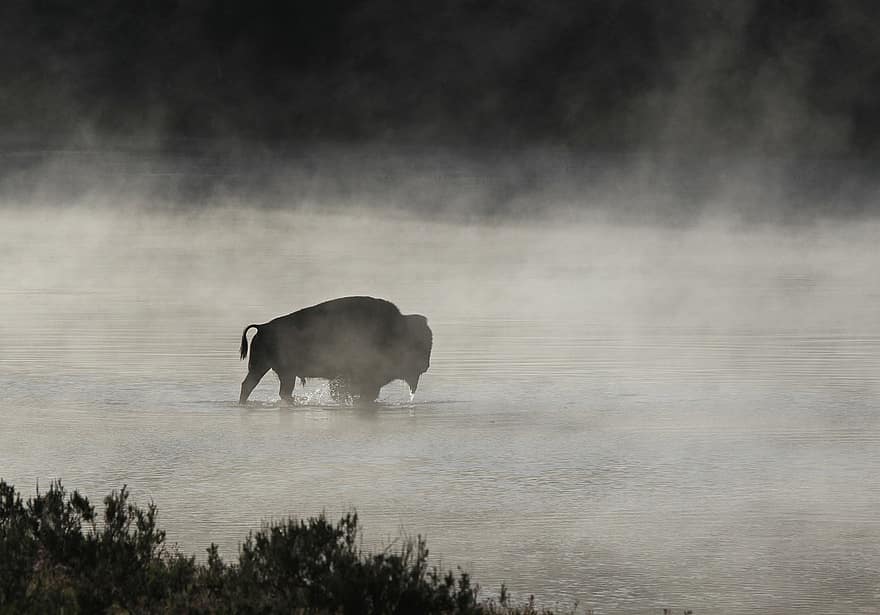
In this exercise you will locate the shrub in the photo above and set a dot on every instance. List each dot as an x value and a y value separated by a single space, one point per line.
55 557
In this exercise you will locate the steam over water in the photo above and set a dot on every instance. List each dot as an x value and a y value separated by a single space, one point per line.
628 417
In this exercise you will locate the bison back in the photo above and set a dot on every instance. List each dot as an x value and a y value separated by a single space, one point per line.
341 336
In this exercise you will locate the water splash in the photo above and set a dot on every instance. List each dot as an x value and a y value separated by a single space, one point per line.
322 396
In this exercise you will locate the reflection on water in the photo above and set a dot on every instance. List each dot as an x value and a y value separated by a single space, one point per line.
628 418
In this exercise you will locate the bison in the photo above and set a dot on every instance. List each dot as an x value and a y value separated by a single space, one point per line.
361 342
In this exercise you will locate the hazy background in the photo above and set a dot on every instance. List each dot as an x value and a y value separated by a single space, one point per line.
775 76
644 236
765 110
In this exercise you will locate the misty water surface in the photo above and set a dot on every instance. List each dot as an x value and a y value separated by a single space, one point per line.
628 417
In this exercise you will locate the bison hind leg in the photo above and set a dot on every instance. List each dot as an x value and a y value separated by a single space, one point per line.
255 373
287 385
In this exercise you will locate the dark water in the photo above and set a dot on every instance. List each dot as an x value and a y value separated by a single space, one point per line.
630 418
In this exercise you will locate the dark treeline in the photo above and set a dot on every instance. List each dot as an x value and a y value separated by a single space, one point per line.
57 555
781 77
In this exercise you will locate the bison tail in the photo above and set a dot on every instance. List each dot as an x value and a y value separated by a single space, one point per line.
244 342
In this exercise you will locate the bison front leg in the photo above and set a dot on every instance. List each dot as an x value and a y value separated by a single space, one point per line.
367 391
251 381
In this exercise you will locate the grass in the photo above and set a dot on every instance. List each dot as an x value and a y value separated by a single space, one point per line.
56 557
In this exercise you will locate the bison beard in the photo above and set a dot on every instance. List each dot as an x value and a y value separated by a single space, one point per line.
362 342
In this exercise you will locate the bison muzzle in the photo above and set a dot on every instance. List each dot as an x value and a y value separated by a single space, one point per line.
362 342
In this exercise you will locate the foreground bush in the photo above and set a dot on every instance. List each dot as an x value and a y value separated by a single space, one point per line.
55 557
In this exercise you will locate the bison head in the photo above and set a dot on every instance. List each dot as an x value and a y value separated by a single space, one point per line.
417 349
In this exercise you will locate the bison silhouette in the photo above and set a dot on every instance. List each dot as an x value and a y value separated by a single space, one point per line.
359 343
